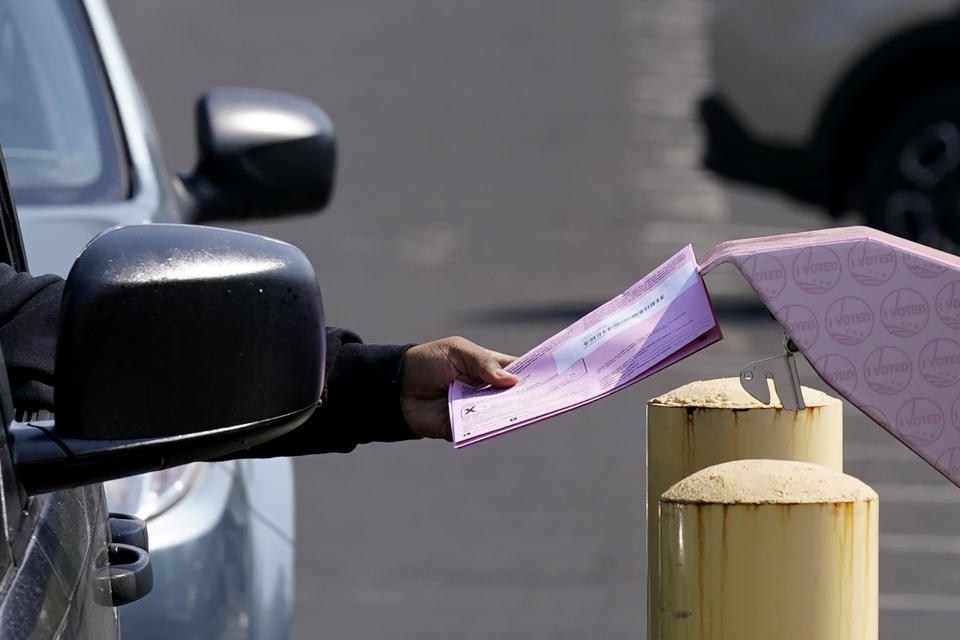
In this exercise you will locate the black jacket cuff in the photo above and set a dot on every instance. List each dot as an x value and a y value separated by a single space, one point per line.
360 402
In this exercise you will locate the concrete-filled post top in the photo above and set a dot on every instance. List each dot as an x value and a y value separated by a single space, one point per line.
728 393
757 549
768 482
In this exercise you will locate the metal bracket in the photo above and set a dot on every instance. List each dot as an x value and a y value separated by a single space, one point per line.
783 371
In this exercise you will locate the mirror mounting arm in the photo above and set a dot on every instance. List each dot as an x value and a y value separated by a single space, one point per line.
47 461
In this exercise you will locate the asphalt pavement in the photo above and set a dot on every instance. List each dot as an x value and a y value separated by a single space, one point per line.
506 166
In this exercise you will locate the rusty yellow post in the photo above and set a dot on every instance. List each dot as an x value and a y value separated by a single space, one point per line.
761 549
709 422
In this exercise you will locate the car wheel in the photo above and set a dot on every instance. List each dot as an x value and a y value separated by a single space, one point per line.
911 180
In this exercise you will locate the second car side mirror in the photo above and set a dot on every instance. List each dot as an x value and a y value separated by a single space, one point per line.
261 153
177 343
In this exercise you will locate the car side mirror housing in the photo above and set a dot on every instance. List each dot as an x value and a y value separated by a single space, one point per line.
261 154
176 343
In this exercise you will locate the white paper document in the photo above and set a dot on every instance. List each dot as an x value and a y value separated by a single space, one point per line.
661 319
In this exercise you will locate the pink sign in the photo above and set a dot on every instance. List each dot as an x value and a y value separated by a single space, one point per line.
878 317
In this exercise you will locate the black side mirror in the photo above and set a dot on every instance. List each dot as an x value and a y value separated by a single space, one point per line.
261 153
177 343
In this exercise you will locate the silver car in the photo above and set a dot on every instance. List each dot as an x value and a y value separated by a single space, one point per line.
82 157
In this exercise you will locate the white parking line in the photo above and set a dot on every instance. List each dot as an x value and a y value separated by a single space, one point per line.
668 51
919 543
888 451
932 602
923 494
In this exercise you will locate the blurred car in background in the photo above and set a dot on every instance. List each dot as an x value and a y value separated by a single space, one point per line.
846 104
82 157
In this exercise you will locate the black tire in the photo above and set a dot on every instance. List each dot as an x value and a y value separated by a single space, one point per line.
910 184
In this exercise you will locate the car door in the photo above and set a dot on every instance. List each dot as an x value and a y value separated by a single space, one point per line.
54 552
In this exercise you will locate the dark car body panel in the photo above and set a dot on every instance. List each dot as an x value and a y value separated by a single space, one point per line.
733 153
55 591
54 545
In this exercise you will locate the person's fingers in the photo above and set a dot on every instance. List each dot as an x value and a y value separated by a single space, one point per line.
484 365
503 378
502 359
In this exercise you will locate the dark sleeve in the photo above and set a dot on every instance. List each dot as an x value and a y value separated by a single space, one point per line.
360 402
29 308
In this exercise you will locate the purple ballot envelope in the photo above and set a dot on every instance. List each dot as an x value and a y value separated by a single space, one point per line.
661 319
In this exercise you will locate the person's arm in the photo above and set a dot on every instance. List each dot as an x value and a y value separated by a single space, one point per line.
386 393
373 393
29 309
359 404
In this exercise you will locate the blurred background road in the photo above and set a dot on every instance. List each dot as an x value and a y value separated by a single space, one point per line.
505 166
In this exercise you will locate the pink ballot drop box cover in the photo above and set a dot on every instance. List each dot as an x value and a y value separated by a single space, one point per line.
878 317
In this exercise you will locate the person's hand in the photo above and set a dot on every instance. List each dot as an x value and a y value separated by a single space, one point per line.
428 369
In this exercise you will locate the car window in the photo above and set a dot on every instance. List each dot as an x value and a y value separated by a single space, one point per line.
57 123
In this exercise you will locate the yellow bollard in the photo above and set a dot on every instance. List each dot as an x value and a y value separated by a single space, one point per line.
761 549
709 422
